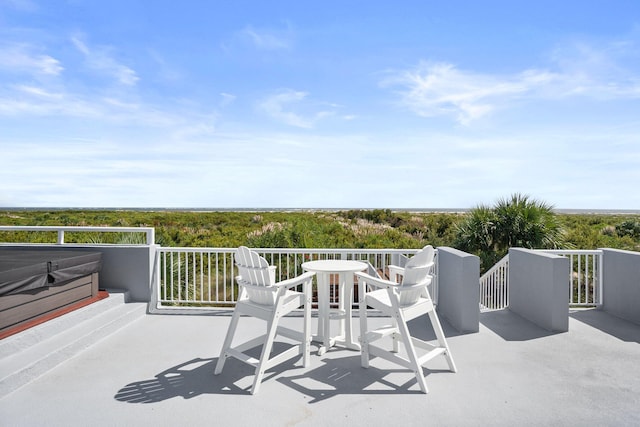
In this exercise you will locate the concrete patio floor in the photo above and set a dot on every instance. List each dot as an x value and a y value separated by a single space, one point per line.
158 371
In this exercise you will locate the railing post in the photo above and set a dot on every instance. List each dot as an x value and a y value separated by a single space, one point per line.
600 276
151 238
60 237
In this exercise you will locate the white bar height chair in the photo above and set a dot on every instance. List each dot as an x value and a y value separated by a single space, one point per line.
263 298
402 302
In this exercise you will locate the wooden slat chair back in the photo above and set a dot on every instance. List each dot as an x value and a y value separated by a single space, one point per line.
416 272
257 276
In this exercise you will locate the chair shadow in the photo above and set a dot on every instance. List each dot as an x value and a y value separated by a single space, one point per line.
196 377
512 327
345 375
421 328
609 324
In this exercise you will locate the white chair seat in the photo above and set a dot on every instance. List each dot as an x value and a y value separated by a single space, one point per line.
380 300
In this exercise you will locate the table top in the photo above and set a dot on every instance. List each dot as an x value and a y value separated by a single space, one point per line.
334 266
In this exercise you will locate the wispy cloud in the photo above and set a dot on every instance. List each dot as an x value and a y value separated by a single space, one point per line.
35 101
227 99
280 106
442 89
437 89
269 38
101 60
23 58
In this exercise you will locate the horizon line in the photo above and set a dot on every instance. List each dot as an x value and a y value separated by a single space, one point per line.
308 209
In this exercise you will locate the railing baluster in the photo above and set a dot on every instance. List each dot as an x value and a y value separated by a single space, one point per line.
196 279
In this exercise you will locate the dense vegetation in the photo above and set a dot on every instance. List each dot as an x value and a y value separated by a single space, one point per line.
518 221
317 229
378 228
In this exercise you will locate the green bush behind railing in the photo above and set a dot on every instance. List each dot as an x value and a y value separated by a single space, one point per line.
373 228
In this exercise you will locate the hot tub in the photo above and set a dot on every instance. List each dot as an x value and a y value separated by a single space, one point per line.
37 283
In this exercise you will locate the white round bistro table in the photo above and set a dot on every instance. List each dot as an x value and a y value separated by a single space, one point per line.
345 270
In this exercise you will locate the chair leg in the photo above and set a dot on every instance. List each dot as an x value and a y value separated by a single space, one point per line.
266 352
437 328
411 352
364 343
227 342
394 337
306 332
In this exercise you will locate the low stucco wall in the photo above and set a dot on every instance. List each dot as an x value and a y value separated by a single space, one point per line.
621 284
458 289
539 289
129 268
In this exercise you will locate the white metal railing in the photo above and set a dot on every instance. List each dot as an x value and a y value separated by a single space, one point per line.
585 276
494 286
149 232
205 277
585 280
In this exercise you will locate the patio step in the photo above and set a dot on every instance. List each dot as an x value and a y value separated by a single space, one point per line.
32 353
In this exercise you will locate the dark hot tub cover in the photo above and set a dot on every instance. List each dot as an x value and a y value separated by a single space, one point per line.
25 270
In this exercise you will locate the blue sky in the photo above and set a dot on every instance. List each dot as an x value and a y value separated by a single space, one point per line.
332 104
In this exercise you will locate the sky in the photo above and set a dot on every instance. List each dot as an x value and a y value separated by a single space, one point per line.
332 104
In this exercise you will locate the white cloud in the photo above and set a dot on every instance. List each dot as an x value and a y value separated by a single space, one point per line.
437 89
279 106
422 170
100 59
442 89
38 92
21 58
227 99
269 39
33 101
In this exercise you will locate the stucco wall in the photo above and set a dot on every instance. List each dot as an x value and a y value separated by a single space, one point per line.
458 289
539 288
621 283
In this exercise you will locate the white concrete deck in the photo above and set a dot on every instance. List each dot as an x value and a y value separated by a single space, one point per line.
158 371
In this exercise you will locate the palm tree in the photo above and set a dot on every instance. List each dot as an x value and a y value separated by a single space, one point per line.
518 221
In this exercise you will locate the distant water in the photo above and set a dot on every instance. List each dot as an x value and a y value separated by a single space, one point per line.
416 210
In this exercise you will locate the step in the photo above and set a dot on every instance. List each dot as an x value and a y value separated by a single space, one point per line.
44 331
32 353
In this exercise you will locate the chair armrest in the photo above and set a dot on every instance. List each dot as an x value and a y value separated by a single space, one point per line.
381 283
290 283
374 281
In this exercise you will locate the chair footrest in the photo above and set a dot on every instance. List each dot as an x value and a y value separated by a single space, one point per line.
243 357
337 314
268 363
430 355
381 332
403 361
290 333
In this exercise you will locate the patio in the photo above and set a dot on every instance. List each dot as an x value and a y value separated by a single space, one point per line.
126 360
158 370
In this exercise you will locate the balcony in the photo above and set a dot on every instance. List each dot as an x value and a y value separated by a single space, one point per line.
132 359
